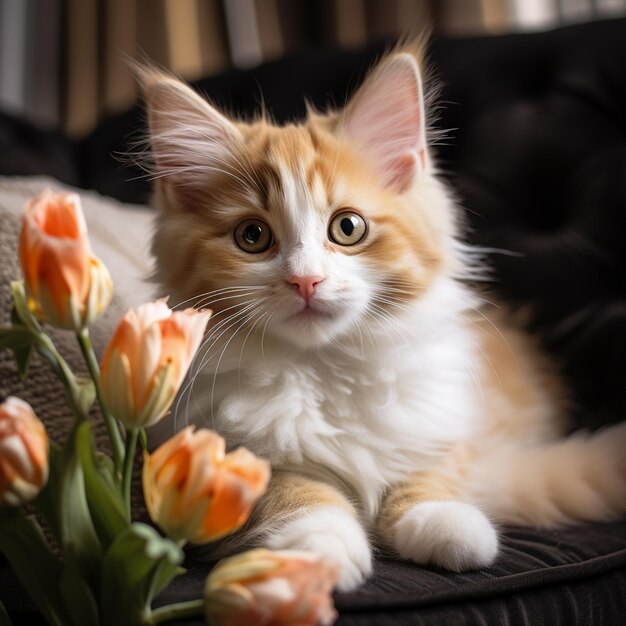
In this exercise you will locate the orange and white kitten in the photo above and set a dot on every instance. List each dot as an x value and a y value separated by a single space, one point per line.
346 346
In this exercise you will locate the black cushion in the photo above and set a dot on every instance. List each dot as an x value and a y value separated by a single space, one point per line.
571 576
539 160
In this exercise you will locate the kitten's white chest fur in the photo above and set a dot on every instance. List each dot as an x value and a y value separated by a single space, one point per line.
363 415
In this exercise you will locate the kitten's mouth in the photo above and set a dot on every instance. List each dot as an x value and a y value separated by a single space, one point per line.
310 313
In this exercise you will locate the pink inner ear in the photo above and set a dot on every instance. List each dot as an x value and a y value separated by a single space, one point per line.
190 139
386 120
401 171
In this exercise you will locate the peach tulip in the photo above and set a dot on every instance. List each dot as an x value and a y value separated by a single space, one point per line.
23 453
283 588
146 361
195 491
67 286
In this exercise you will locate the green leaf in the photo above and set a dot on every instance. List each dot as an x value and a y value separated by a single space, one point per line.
22 359
78 598
18 337
77 534
22 355
103 497
105 465
49 356
20 306
47 502
143 439
85 393
139 563
26 549
5 620
63 372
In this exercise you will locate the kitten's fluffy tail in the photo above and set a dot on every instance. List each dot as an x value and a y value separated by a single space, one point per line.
581 478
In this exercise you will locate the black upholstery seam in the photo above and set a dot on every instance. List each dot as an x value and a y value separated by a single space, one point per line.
493 588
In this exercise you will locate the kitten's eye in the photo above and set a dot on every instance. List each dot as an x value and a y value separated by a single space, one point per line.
253 236
347 228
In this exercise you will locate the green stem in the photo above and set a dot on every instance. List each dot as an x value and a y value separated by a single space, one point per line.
115 437
48 350
177 611
127 476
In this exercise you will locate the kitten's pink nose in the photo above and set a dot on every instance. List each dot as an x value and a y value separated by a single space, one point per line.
305 284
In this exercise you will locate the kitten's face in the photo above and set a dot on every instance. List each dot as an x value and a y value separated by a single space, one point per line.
313 233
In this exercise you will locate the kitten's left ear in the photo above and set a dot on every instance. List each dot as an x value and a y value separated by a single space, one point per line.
190 139
386 119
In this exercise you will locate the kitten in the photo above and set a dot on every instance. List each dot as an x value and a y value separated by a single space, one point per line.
346 346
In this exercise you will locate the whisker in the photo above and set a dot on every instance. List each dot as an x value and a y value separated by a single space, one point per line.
244 345
207 356
216 292
219 361
263 339
194 369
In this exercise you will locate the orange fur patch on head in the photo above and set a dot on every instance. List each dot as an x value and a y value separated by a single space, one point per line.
264 171
403 244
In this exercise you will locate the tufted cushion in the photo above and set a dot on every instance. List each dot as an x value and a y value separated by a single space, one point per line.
539 160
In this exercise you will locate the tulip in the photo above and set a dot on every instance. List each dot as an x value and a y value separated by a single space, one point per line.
283 588
23 453
67 286
146 360
195 491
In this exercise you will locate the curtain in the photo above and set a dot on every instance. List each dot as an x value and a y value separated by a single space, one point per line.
63 63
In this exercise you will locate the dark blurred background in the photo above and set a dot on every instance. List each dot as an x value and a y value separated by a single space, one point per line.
62 61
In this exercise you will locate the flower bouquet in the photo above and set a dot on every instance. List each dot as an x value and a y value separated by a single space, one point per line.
66 525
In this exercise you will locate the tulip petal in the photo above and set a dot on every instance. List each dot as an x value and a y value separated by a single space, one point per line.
294 589
15 454
145 363
194 324
242 567
163 453
23 453
116 386
254 471
157 343
100 291
58 214
193 493
57 263
153 312
162 394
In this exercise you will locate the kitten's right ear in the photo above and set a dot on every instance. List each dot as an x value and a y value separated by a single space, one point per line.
190 139
386 120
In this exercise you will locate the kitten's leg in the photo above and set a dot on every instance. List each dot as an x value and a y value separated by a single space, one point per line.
299 513
423 521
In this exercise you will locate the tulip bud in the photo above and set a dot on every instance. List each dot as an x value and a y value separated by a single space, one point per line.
146 360
67 286
280 588
196 492
23 453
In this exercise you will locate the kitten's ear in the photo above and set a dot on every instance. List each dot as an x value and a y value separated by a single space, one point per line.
386 119
189 138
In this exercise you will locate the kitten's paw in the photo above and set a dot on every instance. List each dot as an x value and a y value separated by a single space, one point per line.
450 534
334 533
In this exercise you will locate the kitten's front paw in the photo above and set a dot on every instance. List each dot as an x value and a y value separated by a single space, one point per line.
450 534
334 533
